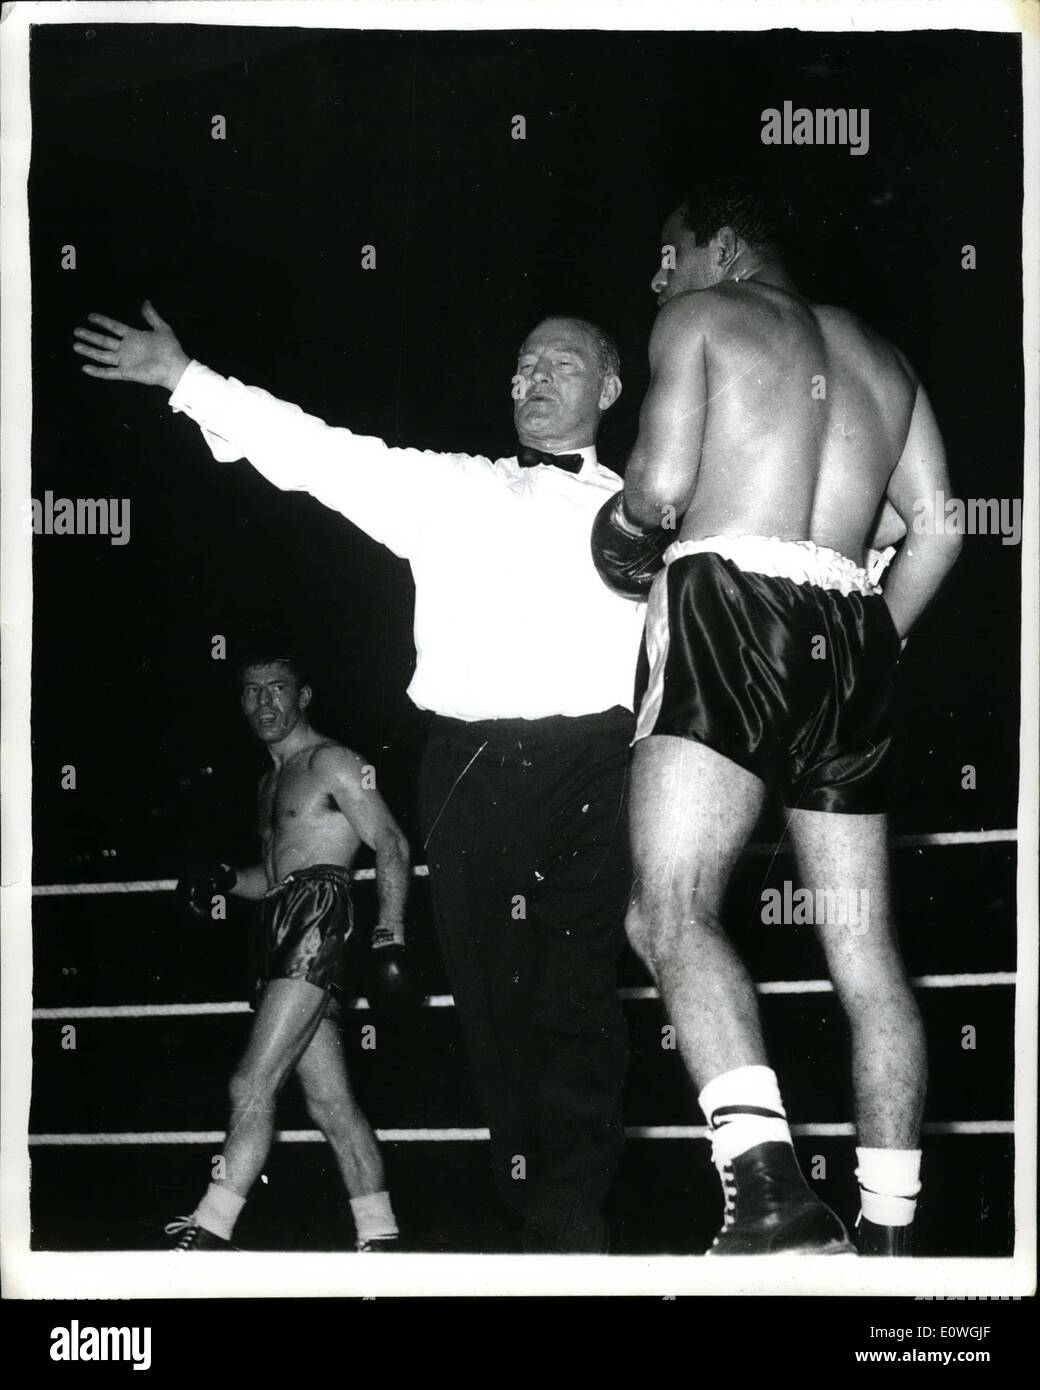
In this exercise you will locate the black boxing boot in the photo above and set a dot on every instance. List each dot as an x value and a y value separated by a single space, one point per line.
193 1237
378 1245
770 1209
872 1239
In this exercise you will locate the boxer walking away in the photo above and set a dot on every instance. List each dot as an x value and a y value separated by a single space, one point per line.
780 431
316 808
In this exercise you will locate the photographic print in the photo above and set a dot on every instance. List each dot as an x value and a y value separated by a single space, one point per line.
520 571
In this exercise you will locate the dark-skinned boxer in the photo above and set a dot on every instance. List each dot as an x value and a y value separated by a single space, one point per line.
316 808
778 432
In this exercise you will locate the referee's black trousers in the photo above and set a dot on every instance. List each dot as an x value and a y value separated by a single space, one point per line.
525 823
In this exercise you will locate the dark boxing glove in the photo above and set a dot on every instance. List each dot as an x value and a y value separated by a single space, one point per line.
197 889
391 989
628 556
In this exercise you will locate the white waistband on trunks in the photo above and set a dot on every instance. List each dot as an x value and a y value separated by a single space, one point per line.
804 562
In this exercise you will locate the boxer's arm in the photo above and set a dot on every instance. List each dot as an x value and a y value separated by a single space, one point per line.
250 883
929 551
348 782
662 468
889 529
392 494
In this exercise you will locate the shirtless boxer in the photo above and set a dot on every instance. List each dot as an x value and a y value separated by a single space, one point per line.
315 810
776 429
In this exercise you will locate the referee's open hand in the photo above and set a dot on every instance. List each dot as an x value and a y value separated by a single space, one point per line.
151 356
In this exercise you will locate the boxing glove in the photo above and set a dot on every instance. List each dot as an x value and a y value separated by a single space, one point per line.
197 889
628 556
391 990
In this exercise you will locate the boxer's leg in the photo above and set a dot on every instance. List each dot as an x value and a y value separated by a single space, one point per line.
332 1105
849 854
288 1014
692 813
325 1082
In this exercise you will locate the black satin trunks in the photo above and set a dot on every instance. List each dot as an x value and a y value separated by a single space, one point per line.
737 663
308 918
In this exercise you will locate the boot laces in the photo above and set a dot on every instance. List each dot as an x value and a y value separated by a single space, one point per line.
729 1193
185 1227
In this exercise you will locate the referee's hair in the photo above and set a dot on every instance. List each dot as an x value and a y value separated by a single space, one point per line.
608 358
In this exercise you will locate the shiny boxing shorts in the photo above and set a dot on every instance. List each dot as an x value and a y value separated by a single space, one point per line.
781 656
307 921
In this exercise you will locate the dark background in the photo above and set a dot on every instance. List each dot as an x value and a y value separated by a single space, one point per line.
251 247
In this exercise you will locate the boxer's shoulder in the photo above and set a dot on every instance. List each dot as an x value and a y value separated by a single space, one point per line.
700 320
693 312
329 759
845 330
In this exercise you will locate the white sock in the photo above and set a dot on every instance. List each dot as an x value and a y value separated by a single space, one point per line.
743 1108
218 1211
373 1216
889 1181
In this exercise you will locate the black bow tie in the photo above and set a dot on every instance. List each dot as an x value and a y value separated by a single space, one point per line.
531 458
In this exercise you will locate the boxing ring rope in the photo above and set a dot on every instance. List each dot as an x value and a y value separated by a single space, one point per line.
843 1129
166 885
837 1130
445 1001
163 885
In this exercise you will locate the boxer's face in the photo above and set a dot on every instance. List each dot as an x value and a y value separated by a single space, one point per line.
696 267
561 391
273 701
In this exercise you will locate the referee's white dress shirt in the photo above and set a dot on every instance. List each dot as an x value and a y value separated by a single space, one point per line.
512 620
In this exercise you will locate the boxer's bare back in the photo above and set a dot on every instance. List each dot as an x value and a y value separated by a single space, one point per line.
806 412
768 415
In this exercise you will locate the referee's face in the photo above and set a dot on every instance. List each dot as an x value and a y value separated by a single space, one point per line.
560 391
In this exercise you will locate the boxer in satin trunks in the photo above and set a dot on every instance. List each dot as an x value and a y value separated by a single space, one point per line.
308 919
781 656
315 810
780 440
